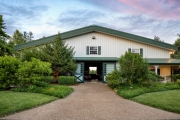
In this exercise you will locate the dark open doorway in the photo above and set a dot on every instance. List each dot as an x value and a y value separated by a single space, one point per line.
93 71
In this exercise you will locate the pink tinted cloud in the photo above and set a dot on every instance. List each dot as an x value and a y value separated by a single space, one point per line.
159 9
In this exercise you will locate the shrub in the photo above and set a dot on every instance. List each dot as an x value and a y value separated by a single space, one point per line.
132 67
114 79
40 83
67 80
8 68
178 81
20 89
48 79
175 77
62 80
34 89
149 79
32 72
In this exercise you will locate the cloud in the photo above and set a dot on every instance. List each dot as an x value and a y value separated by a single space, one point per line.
20 14
168 9
135 24
80 18
137 17
160 9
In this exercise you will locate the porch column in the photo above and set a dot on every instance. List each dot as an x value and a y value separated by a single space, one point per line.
156 67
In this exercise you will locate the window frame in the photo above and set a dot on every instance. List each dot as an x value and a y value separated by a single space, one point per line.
93 50
135 50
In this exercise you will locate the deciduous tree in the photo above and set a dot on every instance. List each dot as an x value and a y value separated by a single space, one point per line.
18 38
177 53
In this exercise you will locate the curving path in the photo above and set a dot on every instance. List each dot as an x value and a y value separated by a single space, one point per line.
93 101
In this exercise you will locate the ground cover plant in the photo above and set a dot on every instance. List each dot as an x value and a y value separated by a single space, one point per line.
166 100
12 102
130 91
52 90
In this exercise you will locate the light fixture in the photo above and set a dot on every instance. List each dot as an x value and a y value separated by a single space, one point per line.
93 37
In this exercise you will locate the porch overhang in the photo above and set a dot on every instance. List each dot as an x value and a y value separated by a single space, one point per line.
163 61
96 58
151 61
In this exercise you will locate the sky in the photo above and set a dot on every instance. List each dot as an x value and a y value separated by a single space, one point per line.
147 18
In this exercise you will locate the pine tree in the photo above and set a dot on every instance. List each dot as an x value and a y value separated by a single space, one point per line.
3 35
5 48
60 56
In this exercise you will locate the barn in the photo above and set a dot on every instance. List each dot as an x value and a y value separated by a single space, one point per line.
101 47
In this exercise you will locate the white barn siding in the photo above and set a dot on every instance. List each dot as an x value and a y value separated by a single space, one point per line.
112 46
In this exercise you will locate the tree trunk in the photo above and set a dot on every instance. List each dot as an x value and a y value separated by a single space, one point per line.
56 75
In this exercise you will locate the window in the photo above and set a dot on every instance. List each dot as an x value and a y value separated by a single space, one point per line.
135 50
93 50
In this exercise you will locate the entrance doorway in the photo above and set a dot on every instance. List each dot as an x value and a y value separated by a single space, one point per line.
93 71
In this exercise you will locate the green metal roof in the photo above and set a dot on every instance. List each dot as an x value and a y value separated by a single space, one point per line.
163 61
96 58
151 61
95 28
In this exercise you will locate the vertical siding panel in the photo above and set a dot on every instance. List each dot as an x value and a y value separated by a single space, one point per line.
112 46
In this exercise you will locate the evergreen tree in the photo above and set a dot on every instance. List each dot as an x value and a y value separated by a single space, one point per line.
60 56
3 35
5 48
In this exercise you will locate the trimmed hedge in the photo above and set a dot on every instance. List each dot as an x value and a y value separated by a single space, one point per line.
67 80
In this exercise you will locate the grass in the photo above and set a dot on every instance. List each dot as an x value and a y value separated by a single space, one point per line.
12 102
127 91
160 95
166 100
57 91
52 90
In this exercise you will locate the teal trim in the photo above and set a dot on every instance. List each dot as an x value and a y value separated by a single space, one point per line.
96 58
94 28
99 50
104 69
82 71
81 74
87 50
102 72
163 61
129 49
159 61
141 52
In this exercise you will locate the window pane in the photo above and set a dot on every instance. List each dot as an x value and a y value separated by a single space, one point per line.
93 50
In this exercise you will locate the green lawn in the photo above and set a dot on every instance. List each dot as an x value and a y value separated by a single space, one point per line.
166 100
11 102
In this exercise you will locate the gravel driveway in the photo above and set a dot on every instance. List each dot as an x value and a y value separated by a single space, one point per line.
93 101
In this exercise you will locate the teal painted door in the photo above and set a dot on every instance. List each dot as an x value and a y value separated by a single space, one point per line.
108 68
79 74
